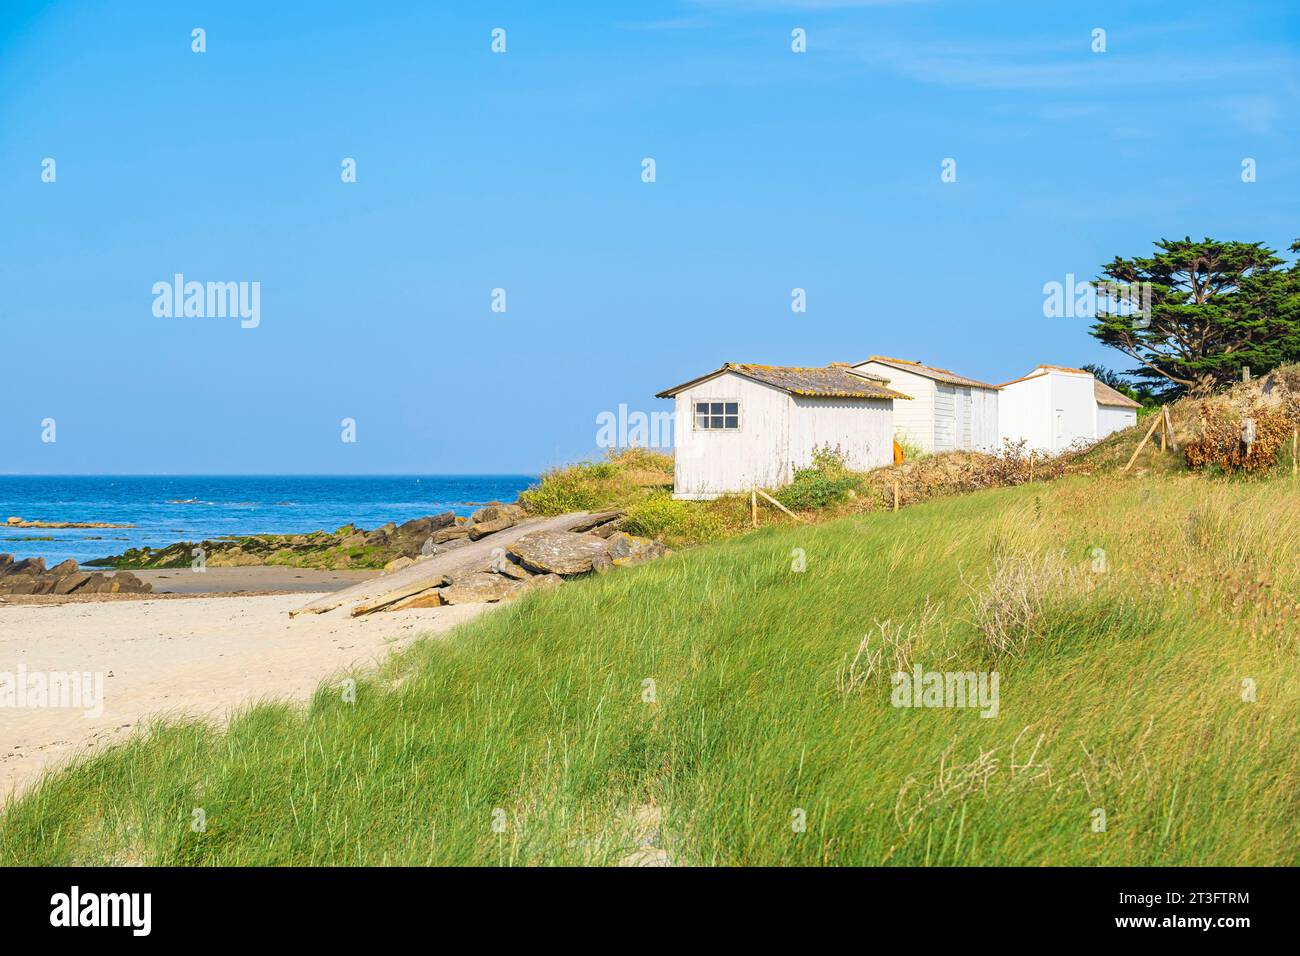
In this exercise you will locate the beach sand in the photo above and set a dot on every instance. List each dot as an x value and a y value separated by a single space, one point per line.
182 656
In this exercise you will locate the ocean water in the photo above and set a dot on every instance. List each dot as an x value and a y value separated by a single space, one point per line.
165 508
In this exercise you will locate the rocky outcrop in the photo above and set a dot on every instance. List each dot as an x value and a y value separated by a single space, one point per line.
346 547
536 554
30 576
16 522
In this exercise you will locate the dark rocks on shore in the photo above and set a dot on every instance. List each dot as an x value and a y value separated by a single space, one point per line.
30 576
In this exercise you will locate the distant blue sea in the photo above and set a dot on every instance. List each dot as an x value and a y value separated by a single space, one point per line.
165 509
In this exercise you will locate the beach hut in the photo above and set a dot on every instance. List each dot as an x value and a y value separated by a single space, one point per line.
949 412
745 426
1115 410
1055 407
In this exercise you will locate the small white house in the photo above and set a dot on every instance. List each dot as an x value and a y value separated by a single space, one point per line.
1054 407
948 412
1115 410
746 426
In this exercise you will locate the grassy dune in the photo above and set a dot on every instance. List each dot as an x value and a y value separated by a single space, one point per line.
1121 689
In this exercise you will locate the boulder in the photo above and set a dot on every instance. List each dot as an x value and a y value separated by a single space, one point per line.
511 570
429 598
481 587
495 511
64 568
602 563
30 566
481 529
596 520
70 583
6 562
450 533
543 581
558 552
627 549
397 564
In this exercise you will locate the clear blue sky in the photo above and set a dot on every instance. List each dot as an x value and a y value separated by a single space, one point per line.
523 171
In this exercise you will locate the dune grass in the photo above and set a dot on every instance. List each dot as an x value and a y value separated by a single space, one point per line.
743 706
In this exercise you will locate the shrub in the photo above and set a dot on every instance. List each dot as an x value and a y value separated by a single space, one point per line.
675 522
1220 443
827 483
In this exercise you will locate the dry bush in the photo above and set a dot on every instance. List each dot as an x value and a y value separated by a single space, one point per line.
898 639
1220 443
1011 608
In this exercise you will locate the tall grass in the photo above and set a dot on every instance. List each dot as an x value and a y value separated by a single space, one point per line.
728 695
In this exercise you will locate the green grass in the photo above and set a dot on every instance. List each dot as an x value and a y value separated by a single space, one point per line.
1125 696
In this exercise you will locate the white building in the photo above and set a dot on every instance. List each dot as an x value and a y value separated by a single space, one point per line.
1054 407
1115 410
949 412
746 426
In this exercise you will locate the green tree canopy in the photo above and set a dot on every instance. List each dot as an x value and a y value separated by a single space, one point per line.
1195 313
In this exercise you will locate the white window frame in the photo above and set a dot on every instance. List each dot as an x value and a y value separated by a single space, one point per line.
695 415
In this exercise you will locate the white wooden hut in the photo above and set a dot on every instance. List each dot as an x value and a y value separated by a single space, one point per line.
1055 407
746 426
1115 410
949 411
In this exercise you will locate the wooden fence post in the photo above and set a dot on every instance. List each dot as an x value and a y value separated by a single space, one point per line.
753 506
1150 432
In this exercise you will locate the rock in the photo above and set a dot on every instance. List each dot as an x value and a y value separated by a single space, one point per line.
484 528
602 563
64 568
596 520
495 511
397 564
30 566
6 561
558 552
70 583
15 520
607 529
512 570
544 581
429 598
443 535
481 587
625 549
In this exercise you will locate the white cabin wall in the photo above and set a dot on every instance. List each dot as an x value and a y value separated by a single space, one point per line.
1113 418
711 463
984 420
1074 400
1025 413
863 430
945 417
913 420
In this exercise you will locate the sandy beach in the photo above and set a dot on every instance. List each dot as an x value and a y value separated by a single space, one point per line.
194 656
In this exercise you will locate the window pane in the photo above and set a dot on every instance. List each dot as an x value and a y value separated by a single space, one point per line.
701 421
733 408
733 421
717 409
715 421
701 408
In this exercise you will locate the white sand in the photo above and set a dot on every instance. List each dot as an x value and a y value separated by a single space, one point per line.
197 656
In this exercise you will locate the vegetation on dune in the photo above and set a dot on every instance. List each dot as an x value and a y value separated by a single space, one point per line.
731 704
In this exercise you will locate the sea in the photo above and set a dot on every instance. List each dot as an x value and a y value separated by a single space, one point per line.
164 509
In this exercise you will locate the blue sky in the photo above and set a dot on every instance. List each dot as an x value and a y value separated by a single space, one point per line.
522 171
